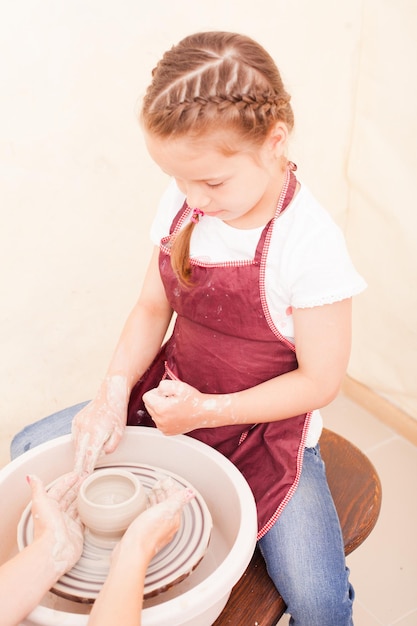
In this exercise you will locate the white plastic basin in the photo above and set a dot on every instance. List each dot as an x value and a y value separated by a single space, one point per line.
200 598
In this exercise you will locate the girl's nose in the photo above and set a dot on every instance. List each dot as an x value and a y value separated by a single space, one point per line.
197 198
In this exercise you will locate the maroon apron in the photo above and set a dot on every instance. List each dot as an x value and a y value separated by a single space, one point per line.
224 341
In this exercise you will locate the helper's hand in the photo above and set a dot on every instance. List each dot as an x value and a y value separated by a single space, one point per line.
100 425
146 535
56 520
178 408
155 527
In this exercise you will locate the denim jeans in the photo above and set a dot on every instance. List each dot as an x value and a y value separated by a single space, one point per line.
304 553
45 429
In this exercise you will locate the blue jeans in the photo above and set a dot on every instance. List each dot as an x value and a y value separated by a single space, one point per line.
45 429
304 553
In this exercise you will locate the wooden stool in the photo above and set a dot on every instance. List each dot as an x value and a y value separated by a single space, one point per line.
356 492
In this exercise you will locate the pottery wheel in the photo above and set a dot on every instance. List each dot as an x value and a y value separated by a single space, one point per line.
170 566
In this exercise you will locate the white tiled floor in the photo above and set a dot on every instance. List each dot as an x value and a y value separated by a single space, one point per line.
384 567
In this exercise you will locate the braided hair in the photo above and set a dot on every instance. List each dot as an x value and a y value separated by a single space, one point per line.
213 80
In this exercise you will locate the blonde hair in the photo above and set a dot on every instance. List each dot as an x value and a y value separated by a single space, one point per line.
211 81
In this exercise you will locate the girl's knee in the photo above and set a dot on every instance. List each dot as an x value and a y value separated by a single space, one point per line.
43 430
319 605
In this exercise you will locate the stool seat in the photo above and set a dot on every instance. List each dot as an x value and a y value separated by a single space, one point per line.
356 491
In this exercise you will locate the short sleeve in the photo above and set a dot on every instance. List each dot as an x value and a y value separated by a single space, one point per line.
316 263
169 205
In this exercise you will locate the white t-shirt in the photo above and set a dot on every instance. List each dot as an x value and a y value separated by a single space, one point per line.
307 264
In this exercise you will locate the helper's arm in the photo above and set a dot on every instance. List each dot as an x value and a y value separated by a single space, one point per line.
121 598
57 546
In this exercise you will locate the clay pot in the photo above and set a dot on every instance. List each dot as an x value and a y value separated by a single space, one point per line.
109 500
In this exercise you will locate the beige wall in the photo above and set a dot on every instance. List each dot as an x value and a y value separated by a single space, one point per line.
78 190
382 218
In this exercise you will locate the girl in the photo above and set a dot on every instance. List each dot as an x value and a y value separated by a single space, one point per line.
259 280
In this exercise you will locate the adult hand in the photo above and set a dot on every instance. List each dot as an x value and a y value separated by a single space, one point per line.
100 425
146 535
177 408
56 520
155 527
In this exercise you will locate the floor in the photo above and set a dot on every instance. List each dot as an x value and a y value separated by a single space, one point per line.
384 568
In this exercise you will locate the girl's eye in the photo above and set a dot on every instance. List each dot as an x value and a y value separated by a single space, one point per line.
214 184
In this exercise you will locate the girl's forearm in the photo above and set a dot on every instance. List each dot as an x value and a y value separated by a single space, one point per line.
139 342
279 398
282 397
322 348
144 329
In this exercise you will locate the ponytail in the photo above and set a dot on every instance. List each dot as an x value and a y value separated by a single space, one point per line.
180 254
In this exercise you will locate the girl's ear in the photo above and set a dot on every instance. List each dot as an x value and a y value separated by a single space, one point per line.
277 139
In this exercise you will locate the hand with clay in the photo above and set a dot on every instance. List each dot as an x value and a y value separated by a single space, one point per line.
147 534
56 520
156 526
100 425
57 545
178 408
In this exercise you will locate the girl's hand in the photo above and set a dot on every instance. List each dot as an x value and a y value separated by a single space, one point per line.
178 408
56 521
100 425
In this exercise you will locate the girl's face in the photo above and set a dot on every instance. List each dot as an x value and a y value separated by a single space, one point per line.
241 189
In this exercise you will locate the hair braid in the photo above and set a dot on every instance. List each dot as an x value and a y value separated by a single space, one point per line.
214 80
